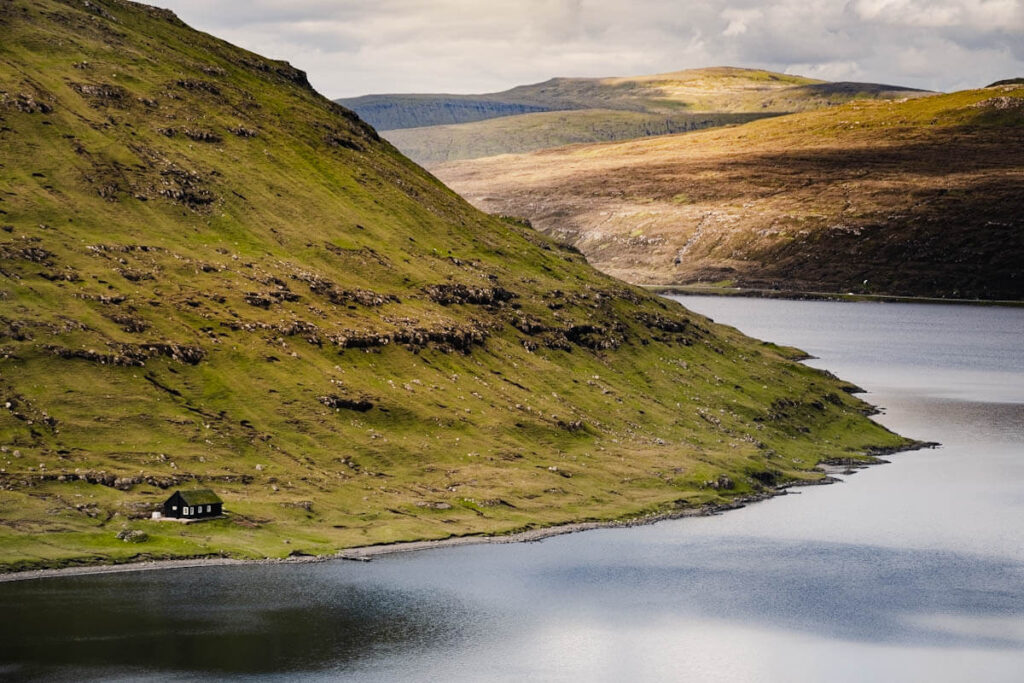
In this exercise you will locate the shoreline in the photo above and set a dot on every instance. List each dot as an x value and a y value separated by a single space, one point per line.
796 295
367 553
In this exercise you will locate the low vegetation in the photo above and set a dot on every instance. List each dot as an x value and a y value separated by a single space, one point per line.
212 277
918 197
435 128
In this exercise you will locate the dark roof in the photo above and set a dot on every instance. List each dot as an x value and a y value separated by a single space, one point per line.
199 497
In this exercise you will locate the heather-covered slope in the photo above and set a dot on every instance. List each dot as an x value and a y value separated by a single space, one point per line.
214 277
920 197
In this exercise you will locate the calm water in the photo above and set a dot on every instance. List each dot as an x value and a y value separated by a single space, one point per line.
913 571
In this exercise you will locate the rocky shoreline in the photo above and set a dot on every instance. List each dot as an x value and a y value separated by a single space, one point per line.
367 553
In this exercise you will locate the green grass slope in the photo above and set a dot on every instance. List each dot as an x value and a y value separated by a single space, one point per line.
919 197
214 277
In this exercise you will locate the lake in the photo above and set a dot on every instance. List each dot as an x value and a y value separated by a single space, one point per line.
911 571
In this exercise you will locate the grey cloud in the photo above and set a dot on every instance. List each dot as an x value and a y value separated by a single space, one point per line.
353 47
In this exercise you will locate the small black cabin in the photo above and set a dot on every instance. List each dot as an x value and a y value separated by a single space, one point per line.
195 504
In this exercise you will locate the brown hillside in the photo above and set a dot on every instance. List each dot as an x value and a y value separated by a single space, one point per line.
919 197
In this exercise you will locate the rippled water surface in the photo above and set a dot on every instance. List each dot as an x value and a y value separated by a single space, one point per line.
913 571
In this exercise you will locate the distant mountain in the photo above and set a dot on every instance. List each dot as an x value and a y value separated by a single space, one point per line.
213 277
916 197
406 111
1008 81
715 89
435 128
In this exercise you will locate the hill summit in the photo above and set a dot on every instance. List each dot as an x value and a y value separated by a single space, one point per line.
213 277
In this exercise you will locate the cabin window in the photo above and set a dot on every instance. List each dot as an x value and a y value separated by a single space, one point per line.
209 508
174 507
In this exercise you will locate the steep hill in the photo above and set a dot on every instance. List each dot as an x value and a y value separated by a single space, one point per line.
214 277
916 197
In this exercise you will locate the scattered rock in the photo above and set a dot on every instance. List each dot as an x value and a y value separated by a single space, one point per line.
723 483
434 505
25 103
132 536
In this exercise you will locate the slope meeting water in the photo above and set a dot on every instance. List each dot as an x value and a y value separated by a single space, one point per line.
908 571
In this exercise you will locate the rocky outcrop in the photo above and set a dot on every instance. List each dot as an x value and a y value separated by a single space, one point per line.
101 94
446 338
268 299
336 402
343 297
25 250
132 355
447 294
132 536
25 103
185 187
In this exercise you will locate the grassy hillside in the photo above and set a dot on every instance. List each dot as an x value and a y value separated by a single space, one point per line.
917 197
214 277
528 132
715 89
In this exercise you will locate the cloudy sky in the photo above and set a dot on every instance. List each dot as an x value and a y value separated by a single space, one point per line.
355 47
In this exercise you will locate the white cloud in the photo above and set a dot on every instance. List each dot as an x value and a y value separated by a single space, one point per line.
353 47
739 20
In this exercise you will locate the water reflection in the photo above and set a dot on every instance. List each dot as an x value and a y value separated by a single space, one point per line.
854 592
227 620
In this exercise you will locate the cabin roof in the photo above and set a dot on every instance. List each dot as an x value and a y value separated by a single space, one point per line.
199 497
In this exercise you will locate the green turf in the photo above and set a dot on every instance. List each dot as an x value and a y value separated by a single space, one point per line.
215 278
